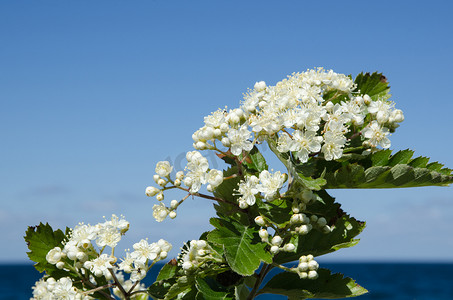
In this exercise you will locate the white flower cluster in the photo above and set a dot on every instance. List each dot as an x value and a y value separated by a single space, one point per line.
49 289
136 262
268 184
196 254
78 247
197 174
78 253
305 123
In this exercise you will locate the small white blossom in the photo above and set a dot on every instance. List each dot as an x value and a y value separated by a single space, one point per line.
270 183
160 212
163 168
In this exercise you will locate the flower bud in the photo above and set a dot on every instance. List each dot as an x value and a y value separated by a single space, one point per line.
260 221
226 142
313 265
188 181
263 234
180 175
260 86
217 132
276 240
163 254
295 219
304 229
303 275
314 218
224 127
322 222
156 178
172 214
160 196
303 266
200 146
307 195
310 257
60 265
174 204
289 247
177 182
274 249
162 182
367 99
243 204
151 191
312 275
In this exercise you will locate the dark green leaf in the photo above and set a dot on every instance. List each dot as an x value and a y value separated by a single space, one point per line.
243 248
212 290
326 286
374 85
40 240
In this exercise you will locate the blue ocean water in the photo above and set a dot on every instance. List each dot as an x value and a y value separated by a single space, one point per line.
394 281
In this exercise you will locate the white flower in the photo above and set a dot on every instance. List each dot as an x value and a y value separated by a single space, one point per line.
248 189
100 265
333 145
138 272
121 224
54 255
126 263
108 236
381 109
270 183
197 166
163 168
83 234
144 251
64 290
160 212
239 140
306 143
214 178
377 135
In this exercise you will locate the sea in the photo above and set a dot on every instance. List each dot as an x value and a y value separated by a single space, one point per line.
402 281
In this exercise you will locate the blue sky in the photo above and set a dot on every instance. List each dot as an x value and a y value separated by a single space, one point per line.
94 93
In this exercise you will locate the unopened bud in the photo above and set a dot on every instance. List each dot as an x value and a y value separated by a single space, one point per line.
172 214
260 221
151 191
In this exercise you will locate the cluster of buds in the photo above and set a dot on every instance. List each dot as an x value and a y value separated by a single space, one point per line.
307 267
196 254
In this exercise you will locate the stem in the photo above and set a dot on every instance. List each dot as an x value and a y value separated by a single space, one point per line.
203 195
99 288
88 282
266 268
120 287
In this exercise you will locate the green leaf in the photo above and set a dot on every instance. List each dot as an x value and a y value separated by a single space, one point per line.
168 271
374 85
183 285
243 248
326 286
212 290
277 211
382 170
40 240
255 161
